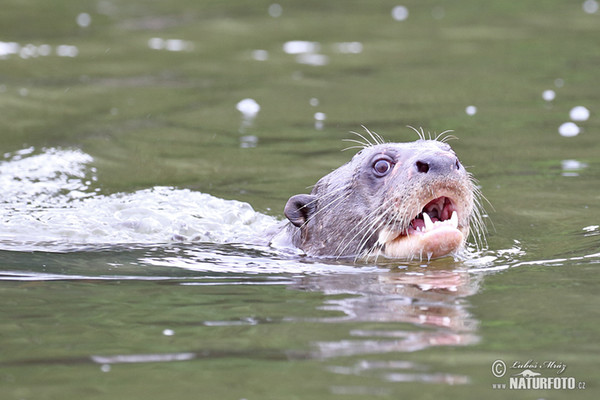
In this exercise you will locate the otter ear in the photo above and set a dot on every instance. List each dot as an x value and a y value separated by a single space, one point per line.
300 208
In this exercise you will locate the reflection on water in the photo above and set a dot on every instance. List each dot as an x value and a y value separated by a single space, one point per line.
412 310
430 307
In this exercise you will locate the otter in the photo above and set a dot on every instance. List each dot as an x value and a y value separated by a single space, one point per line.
397 200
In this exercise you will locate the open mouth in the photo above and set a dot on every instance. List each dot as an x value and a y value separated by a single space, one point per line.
434 232
437 213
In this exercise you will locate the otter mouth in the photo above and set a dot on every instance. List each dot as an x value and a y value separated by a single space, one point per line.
437 212
434 232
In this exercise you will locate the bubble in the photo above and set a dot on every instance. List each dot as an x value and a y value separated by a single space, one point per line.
300 47
178 45
568 129
320 116
84 20
548 95
28 51
349 47
65 50
156 43
44 50
248 107
8 48
275 10
260 55
590 6
579 113
312 59
471 110
400 13
572 167
319 120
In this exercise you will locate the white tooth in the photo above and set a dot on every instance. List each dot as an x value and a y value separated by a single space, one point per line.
428 222
454 219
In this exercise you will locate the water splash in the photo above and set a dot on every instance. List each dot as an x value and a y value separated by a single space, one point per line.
49 203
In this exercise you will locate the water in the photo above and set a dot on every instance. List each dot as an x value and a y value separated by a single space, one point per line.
136 191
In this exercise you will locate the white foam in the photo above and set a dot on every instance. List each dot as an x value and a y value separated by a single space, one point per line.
48 202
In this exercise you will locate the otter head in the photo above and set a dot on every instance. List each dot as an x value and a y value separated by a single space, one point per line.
398 200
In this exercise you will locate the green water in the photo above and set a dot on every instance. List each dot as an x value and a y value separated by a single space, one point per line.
189 322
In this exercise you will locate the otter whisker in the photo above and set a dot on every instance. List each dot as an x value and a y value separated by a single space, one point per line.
364 227
362 209
360 146
420 133
377 138
367 143
444 139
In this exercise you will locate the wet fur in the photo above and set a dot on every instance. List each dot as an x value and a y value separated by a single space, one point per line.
347 212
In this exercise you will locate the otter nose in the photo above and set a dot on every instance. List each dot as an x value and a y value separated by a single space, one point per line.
437 163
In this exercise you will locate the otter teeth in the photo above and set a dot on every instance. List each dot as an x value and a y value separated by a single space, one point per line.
454 219
428 221
429 224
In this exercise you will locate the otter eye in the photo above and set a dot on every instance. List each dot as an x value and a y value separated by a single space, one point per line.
382 166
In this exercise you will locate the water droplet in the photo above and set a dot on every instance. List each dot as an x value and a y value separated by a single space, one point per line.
590 6
314 102
559 82
400 13
275 10
471 110
84 20
105 368
568 129
579 113
168 332
548 95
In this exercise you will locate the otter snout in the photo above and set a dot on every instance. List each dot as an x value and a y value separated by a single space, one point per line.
437 163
